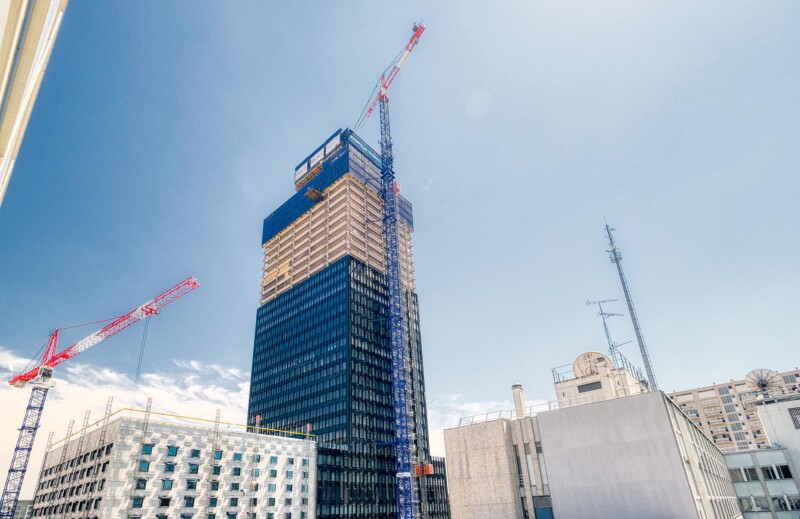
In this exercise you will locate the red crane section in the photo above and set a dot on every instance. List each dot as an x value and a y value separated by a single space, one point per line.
393 69
51 359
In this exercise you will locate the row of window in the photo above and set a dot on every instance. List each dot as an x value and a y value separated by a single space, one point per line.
190 501
172 451
194 468
191 484
769 472
229 515
760 503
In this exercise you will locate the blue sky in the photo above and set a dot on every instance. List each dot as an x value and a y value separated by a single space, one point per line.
163 134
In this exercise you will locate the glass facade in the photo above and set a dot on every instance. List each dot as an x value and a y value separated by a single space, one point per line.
321 360
321 356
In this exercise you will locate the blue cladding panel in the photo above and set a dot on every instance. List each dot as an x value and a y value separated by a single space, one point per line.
333 168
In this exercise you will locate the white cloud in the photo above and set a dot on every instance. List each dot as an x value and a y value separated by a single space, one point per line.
192 389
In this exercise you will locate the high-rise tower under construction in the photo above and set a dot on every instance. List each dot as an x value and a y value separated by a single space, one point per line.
321 357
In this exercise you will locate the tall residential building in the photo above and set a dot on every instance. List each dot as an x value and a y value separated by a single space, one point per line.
138 468
726 412
28 30
321 356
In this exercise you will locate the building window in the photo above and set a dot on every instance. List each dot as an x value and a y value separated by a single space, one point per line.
144 466
255 472
271 487
305 462
273 473
217 454
215 485
169 467
217 470
137 502
195 453
288 501
257 458
147 448
191 484
166 484
592 386
172 450
211 516
194 468
234 486
783 471
290 474
271 501
270 515
289 488
162 516
230 515
237 456
237 471
794 412
186 516
188 501
273 460
234 501
164 501
290 461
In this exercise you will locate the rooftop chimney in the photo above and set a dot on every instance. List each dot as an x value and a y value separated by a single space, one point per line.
519 401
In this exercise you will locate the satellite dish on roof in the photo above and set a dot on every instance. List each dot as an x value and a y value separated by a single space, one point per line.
763 380
587 363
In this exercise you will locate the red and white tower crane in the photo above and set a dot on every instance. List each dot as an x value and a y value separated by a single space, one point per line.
40 377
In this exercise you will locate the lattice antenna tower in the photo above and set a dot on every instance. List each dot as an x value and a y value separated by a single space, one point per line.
616 258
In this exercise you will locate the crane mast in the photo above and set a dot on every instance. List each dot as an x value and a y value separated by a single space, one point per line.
40 378
401 368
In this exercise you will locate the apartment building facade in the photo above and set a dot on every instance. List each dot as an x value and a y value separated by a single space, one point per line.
726 412
133 467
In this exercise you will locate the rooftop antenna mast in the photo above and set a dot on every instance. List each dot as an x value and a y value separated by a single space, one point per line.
616 259
612 346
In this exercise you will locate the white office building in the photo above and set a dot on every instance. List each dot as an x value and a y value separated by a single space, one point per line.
139 468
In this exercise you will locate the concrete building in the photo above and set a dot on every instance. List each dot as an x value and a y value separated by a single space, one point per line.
321 356
24 509
781 419
627 457
139 468
726 414
765 483
594 377
28 30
